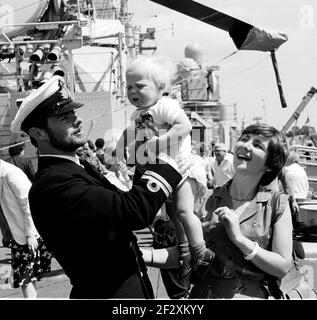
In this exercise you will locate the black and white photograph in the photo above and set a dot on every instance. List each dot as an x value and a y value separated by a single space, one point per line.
159 156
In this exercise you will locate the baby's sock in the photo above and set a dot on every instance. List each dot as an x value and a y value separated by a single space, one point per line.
197 251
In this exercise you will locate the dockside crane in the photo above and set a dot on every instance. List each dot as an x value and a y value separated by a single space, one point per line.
312 91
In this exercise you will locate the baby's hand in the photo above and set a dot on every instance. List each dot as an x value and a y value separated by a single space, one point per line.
32 244
147 124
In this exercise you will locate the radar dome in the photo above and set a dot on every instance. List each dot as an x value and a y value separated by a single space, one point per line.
195 52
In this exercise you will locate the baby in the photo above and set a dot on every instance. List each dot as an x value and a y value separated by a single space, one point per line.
159 122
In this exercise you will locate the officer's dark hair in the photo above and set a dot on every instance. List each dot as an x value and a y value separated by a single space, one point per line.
39 123
16 150
33 142
276 151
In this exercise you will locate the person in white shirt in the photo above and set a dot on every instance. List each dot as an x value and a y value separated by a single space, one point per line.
295 182
29 256
296 177
204 153
222 165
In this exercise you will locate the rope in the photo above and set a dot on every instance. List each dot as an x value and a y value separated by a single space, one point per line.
13 145
115 110
229 55
251 67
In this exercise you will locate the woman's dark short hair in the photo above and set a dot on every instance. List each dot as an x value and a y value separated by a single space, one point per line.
16 150
99 143
276 151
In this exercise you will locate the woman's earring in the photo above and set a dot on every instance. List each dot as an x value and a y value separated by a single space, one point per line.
268 169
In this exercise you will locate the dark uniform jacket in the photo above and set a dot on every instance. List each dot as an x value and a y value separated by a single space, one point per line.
87 223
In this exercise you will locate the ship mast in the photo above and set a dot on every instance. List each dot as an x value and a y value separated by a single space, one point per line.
122 38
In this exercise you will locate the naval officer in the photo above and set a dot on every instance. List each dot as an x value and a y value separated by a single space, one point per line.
85 220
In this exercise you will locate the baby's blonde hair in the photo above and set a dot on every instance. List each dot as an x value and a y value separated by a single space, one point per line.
160 69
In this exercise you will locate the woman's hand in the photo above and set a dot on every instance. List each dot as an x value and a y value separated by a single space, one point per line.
32 244
294 206
147 124
231 223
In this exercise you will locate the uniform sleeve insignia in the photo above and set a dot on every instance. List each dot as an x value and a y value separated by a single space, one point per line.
156 182
153 186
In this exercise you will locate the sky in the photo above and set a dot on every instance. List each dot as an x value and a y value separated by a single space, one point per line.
247 78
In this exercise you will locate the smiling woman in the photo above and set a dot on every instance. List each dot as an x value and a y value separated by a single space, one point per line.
247 227
269 138
241 219
250 154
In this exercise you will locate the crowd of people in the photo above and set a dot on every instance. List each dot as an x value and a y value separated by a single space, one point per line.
233 232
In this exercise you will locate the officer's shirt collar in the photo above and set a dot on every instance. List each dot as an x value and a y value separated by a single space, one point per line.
74 159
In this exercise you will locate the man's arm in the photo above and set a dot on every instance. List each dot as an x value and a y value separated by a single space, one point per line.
105 204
